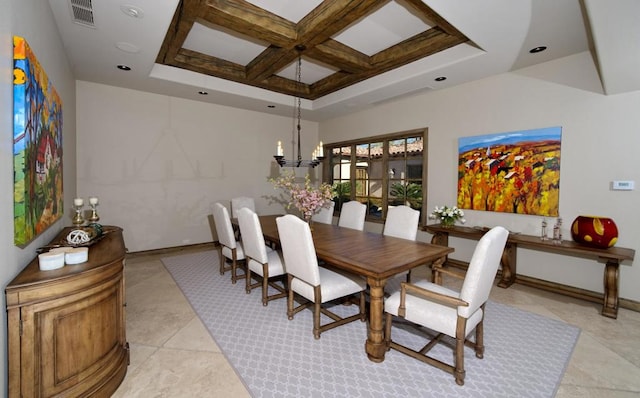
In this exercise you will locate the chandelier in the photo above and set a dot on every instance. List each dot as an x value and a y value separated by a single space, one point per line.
318 153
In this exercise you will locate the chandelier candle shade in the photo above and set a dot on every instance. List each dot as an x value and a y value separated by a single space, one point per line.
318 153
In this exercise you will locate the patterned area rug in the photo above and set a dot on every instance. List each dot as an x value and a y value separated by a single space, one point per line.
525 354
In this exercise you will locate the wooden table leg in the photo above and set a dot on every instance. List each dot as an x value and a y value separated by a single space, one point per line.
610 304
375 347
508 261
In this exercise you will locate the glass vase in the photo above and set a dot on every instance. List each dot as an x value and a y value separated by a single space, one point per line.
309 220
447 222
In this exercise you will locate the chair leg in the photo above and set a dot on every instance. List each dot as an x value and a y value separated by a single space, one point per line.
248 279
363 307
290 298
223 262
479 345
265 284
234 265
316 311
387 330
459 356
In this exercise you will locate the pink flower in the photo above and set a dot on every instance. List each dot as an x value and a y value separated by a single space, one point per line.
307 199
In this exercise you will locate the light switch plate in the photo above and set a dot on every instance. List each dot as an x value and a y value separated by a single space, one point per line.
622 185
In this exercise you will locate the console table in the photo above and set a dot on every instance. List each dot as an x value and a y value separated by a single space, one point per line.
66 327
611 257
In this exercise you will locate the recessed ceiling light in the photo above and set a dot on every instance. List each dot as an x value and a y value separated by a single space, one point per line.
123 67
440 78
132 11
537 49
202 92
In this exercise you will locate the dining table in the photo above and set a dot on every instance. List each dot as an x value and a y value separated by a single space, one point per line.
374 256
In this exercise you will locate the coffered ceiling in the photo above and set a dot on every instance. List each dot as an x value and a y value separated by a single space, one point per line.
354 53
341 42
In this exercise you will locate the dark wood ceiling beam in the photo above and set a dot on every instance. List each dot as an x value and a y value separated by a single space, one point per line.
183 19
287 86
245 18
433 17
333 83
202 63
414 48
330 17
343 57
269 62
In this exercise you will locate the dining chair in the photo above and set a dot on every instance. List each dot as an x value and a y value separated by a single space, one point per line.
352 215
402 222
325 215
448 312
261 259
230 249
240 202
317 285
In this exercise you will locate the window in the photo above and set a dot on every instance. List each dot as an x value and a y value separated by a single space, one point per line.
380 172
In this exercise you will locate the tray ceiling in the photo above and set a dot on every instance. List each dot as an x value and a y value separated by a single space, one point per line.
341 42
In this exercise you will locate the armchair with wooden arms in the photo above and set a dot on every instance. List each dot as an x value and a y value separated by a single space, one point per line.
446 311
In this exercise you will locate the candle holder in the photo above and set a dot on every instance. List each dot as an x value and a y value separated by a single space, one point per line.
94 213
78 219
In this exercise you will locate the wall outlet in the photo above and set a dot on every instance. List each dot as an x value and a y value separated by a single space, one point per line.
622 185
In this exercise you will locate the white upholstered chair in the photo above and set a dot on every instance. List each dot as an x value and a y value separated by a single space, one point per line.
230 249
316 284
446 311
352 215
402 222
261 260
325 215
240 202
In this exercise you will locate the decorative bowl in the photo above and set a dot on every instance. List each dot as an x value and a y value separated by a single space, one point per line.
599 232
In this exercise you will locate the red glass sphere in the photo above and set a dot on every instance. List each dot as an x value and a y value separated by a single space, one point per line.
600 232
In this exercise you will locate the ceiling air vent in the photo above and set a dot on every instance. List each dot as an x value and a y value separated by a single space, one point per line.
82 12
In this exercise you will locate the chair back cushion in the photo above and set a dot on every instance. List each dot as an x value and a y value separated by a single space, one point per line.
325 215
402 222
240 202
223 226
297 249
252 238
482 270
352 215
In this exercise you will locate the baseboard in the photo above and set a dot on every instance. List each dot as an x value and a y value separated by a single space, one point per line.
559 288
172 250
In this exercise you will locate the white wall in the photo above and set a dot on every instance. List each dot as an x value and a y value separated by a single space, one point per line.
31 19
600 142
157 163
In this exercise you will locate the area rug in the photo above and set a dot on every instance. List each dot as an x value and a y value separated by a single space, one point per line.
525 354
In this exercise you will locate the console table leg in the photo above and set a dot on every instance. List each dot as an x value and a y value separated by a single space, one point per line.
610 304
508 265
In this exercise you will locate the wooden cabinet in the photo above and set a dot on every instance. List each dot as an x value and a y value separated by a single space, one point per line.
66 327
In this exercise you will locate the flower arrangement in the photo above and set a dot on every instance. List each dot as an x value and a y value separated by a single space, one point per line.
447 215
307 199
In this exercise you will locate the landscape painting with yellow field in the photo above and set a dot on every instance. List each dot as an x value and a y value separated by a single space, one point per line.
513 172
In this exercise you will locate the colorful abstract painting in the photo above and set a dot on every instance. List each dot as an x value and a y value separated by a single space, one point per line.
37 147
515 172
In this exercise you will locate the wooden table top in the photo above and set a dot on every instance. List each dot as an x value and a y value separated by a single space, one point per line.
530 241
363 253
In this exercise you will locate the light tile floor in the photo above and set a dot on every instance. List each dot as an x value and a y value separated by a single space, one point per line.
173 355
